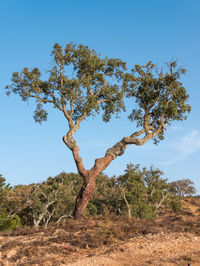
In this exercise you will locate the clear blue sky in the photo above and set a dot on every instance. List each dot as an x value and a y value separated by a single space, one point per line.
135 31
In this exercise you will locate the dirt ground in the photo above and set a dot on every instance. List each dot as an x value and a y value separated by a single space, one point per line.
159 249
168 240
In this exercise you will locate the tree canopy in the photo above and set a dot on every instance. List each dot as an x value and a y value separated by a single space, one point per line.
183 187
81 83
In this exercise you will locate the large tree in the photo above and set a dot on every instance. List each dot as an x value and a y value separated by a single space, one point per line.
81 83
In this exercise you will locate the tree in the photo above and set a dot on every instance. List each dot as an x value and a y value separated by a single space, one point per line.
68 185
101 85
38 204
53 199
143 190
157 187
17 199
133 190
183 187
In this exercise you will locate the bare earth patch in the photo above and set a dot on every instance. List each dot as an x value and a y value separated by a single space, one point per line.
159 249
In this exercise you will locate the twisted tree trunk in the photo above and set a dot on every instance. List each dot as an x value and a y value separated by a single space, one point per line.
89 176
88 187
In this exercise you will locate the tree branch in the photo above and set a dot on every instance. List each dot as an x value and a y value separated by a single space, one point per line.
79 163
103 101
161 201
119 148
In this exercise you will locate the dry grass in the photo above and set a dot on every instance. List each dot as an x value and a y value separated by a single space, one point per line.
73 239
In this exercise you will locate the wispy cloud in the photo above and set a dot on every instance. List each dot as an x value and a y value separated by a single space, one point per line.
185 147
175 128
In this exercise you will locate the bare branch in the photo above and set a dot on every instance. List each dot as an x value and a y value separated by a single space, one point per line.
89 91
161 201
103 101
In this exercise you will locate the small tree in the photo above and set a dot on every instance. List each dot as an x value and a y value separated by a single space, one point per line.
53 199
17 199
101 84
183 187
143 190
7 221
68 185
157 187
133 191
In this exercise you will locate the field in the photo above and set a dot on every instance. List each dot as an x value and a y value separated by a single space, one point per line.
169 240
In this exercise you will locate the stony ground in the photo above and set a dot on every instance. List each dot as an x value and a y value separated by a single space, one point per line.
169 240
158 249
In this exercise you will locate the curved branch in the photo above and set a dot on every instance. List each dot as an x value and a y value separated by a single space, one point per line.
119 148
79 163
73 146
44 100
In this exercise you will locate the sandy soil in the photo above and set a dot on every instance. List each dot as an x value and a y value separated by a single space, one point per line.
159 249
152 249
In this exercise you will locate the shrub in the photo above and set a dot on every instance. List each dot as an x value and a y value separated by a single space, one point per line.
7 223
176 205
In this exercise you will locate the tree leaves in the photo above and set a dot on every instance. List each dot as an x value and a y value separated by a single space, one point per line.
81 83
159 95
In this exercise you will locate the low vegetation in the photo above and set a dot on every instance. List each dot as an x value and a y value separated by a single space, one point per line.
72 240
37 224
138 193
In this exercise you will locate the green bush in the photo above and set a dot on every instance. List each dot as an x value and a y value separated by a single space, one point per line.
176 205
92 209
143 210
7 224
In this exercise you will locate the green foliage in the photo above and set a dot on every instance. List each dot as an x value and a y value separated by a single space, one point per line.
144 190
157 187
160 96
38 204
7 223
142 209
81 83
17 202
69 185
133 190
141 191
87 89
175 204
54 198
93 208
3 191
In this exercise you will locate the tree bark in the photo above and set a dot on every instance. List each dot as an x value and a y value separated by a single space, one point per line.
88 187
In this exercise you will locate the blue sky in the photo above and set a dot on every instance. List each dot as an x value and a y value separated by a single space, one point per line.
136 32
